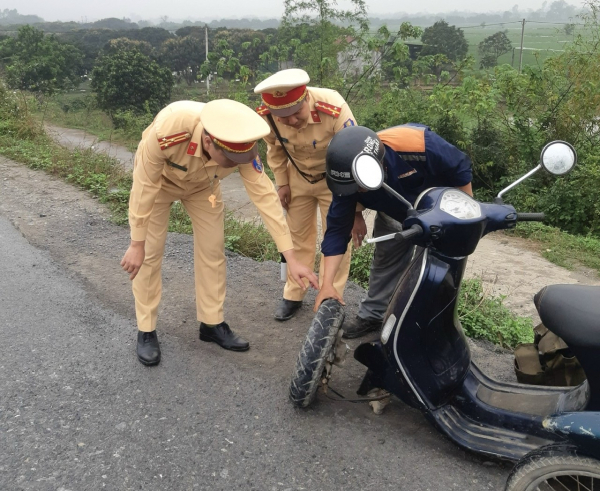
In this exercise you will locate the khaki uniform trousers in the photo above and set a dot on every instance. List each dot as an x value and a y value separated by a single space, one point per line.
301 218
209 253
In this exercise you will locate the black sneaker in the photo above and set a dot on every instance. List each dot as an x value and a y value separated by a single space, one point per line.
358 327
223 336
148 349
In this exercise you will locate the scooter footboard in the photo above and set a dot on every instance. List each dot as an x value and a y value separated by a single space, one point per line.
484 438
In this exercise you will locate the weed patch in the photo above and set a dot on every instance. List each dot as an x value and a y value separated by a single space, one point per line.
484 316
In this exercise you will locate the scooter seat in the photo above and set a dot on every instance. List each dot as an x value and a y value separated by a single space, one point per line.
571 312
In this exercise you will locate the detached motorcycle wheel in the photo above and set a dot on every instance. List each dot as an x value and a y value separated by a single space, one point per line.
555 467
317 348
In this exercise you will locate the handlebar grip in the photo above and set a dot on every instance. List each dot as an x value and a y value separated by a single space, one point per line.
413 231
530 217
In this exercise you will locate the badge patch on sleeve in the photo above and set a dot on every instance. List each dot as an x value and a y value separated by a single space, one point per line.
349 122
257 164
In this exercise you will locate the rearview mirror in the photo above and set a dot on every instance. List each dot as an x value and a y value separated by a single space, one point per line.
367 172
558 157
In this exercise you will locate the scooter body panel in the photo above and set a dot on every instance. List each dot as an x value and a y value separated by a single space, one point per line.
580 428
426 348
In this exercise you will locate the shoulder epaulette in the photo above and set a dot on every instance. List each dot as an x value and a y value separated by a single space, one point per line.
327 108
262 110
172 140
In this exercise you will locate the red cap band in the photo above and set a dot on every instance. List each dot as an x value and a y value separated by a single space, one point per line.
233 147
282 100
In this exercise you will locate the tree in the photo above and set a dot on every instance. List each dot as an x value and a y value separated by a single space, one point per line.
128 80
318 31
492 47
185 56
40 63
125 44
444 39
8 17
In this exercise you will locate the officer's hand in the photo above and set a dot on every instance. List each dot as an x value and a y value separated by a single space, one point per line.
359 231
134 257
327 291
298 271
285 196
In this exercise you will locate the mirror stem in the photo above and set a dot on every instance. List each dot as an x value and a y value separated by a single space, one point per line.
521 179
394 193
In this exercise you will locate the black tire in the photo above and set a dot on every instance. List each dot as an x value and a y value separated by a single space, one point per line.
318 345
556 467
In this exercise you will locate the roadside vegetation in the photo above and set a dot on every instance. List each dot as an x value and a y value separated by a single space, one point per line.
499 115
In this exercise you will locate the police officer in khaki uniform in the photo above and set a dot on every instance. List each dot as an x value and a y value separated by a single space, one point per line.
303 120
184 153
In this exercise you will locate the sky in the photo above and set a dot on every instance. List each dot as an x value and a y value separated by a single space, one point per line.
179 10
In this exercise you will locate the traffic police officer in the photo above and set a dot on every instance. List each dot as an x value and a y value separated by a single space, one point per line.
414 159
182 156
303 120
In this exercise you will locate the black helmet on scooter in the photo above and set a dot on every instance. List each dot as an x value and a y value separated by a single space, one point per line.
344 147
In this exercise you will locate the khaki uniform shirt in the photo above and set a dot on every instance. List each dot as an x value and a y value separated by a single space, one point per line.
308 145
172 144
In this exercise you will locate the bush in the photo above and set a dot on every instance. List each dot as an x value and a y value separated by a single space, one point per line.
360 264
485 317
128 80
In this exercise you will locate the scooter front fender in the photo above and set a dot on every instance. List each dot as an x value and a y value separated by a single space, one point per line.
580 428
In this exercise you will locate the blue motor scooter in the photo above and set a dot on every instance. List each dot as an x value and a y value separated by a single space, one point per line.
422 356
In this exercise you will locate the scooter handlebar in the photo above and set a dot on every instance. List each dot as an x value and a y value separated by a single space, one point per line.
530 217
414 231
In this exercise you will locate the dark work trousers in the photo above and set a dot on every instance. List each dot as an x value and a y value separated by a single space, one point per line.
390 259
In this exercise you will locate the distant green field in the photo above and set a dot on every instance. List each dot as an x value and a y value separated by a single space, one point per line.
540 41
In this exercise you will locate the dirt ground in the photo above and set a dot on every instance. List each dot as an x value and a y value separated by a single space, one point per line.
76 231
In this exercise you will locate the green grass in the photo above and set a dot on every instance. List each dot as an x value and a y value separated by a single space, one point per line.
561 248
539 42
484 316
96 173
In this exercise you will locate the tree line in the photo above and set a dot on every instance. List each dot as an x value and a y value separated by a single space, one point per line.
501 117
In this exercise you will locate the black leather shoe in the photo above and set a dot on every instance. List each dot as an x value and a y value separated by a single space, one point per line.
287 309
358 327
223 336
148 349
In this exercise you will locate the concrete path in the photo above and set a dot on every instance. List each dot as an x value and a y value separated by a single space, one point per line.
234 194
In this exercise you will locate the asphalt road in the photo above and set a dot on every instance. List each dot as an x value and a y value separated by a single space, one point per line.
78 412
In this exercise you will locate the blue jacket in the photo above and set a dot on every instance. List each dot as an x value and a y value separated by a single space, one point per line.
416 159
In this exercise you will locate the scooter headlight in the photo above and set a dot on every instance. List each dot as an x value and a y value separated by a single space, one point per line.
460 205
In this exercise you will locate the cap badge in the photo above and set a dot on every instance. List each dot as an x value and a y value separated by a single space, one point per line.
278 93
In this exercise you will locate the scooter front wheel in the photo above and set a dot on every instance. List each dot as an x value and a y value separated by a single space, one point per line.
316 352
555 467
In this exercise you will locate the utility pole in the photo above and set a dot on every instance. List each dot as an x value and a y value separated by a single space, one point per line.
206 46
521 52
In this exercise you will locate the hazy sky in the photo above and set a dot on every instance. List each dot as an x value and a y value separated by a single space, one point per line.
178 10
